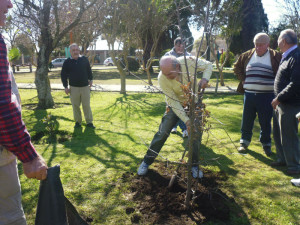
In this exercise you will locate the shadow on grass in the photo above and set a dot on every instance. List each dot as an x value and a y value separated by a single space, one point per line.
135 105
81 141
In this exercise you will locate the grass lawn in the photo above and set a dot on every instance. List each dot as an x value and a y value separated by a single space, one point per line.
110 75
93 161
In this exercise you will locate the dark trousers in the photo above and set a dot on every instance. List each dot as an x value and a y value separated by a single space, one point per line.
257 104
285 132
167 123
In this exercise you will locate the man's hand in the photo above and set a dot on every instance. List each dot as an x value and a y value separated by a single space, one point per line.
203 83
275 103
90 83
67 91
36 169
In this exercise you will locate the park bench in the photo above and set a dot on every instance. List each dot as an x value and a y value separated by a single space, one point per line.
22 65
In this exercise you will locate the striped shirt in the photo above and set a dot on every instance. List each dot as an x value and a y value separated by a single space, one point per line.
259 74
13 133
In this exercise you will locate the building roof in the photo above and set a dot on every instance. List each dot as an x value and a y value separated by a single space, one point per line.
101 45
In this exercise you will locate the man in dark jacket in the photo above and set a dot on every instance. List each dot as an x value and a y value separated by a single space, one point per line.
78 72
287 104
256 69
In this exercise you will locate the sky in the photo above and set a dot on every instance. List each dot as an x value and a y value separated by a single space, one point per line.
272 8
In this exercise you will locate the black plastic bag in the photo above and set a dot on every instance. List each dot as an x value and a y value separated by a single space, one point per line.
53 207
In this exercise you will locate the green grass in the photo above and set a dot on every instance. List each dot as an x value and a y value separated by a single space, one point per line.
92 161
109 75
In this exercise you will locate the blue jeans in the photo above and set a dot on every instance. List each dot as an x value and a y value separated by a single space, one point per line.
167 123
257 104
181 124
285 126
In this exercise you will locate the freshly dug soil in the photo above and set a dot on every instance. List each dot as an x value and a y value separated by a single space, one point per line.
157 204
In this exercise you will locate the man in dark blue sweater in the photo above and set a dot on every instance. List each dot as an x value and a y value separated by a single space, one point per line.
77 72
287 104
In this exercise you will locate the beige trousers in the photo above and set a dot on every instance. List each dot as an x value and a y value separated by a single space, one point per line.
11 211
81 95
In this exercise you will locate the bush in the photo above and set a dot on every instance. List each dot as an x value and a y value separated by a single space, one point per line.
229 61
155 62
14 54
133 64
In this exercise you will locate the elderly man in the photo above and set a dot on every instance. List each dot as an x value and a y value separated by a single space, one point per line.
256 69
172 76
78 72
287 104
14 141
178 51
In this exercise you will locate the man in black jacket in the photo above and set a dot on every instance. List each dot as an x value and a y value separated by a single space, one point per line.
78 72
287 104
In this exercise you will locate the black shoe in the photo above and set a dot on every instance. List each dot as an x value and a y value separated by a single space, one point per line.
277 164
77 125
267 150
242 148
91 125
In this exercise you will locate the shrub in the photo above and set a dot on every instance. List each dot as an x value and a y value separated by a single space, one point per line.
155 62
14 54
133 64
229 61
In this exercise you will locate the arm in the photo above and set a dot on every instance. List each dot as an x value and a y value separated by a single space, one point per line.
65 74
89 71
293 88
238 68
207 68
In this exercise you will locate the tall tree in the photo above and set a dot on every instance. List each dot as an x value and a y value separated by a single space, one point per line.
254 20
155 18
292 15
48 18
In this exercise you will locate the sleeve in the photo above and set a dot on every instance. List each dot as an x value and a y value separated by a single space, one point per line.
206 67
173 101
64 74
293 88
13 133
89 70
238 68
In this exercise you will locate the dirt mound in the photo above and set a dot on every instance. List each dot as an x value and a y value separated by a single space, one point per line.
157 204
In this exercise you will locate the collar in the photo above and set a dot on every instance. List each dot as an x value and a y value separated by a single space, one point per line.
75 59
287 52
263 54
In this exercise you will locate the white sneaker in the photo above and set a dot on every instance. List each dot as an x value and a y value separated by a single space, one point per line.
196 172
296 182
143 169
174 130
185 134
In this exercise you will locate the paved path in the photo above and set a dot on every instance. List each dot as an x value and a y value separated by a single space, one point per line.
129 88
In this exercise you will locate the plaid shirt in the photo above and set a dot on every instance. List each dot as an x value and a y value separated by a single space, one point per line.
13 133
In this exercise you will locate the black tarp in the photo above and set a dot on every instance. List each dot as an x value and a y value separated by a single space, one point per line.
53 207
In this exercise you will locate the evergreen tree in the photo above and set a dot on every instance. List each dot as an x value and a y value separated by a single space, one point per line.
254 21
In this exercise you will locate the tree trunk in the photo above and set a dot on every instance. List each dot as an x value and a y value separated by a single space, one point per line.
222 83
208 46
123 82
149 76
42 80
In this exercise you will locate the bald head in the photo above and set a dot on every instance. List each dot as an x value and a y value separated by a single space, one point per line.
169 66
